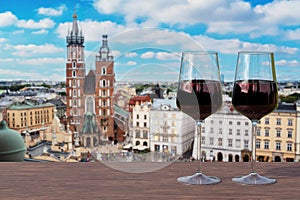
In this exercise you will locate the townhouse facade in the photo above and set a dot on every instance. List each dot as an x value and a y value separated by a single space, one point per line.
171 131
31 117
226 136
277 135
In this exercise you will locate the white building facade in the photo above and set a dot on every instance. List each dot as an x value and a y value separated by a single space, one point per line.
140 125
171 131
226 136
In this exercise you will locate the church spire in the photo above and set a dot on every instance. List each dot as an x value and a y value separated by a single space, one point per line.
75 36
75 25
104 51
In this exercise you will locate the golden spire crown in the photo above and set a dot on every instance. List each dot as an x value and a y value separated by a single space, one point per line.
75 15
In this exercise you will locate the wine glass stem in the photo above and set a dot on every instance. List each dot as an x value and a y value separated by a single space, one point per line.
253 144
198 135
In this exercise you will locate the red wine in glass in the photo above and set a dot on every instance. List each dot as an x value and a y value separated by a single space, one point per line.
255 98
199 98
199 94
255 95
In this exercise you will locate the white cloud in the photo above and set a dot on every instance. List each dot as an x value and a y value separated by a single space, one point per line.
18 32
131 63
107 7
148 55
6 60
167 56
280 12
287 63
131 54
116 53
31 24
220 16
32 49
7 19
293 34
52 11
40 32
92 30
232 46
11 74
41 61
18 74
3 40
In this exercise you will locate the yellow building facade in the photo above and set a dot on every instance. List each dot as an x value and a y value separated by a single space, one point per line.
276 135
29 116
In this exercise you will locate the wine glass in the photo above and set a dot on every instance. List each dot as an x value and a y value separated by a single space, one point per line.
255 95
199 95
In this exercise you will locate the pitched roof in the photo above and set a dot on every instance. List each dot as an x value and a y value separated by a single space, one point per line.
90 83
286 107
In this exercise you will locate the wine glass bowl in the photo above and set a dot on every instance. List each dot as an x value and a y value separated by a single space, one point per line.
199 95
255 95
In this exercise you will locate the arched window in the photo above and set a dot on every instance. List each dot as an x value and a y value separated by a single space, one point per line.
73 64
89 105
103 72
88 142
73 73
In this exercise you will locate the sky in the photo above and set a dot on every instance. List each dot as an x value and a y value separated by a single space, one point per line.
146 37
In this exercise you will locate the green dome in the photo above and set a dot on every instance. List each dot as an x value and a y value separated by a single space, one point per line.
12 147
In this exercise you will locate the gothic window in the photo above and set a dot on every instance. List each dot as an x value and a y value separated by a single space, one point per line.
73 73
73 64
89 104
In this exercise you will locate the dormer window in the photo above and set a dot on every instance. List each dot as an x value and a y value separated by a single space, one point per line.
165 107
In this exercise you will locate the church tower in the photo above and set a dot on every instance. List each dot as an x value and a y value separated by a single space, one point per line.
75 74
105 90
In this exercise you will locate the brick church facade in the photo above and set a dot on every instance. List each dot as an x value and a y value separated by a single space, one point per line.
89 97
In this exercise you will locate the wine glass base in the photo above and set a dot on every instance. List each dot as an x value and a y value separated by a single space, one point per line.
198 179
253 179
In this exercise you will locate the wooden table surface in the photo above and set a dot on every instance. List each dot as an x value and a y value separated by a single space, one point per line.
28 180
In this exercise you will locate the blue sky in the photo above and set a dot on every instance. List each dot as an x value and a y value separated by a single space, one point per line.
146 37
